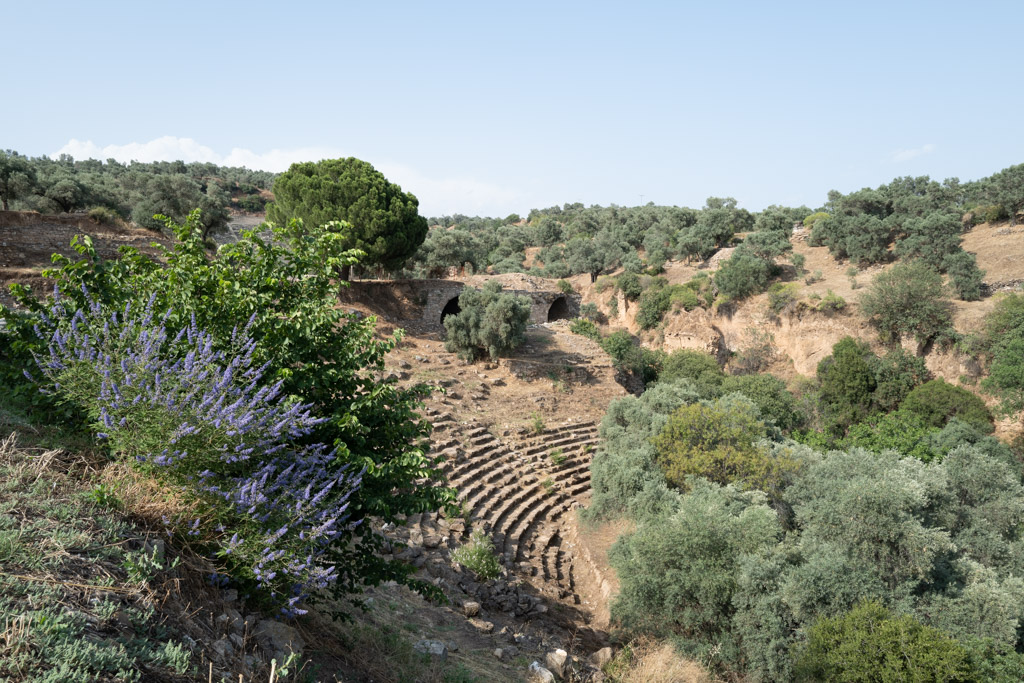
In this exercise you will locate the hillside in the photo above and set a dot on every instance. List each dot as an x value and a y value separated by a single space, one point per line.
514 436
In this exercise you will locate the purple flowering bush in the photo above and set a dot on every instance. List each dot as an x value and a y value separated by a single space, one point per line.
202 419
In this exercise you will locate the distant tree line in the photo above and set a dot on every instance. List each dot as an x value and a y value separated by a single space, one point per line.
134 191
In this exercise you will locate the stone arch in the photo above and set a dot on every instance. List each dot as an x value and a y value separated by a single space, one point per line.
559 309
450 308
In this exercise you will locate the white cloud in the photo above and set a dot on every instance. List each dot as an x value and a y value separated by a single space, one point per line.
438 192
908 154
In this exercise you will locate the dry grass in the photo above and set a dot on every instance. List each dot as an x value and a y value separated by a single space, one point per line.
658 662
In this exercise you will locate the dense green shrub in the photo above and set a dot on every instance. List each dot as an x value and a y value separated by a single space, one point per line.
586 328
489 322
813 218
908 299
716 441
624 476
900 431
629 285
627 355
478 556
847 382
742 275
869 643
700 368
1003 345
831 303
964 275
937 401
286 288
896 374
782 295
678 572
770 395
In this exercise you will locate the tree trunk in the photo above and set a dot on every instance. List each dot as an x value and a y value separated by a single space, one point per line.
6 208
346 273
593 278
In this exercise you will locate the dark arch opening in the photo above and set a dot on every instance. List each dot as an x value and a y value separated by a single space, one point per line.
450 308
559 309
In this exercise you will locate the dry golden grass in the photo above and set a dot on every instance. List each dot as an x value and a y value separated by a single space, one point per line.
658 662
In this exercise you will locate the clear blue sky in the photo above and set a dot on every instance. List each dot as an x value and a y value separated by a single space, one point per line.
487 108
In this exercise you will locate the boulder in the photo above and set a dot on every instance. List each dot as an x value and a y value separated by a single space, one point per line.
434 648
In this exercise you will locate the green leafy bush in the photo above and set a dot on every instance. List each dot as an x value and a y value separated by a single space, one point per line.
869 643
678 572
700 368
717 441
770 395
585 328
781 295
629 285
831 303
742 275
937 401
478 556
565 287
814 218
1003 345
846 383
323 357
896 374
908 299
489 322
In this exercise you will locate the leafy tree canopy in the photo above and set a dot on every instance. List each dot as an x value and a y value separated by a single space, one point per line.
385 223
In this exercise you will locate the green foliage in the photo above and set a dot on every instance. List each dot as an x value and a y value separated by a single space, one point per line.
896 374
900 431
831 303
782 295
964 275
847 382
742 275
908 299
489 322
770 395
17 177
716 441
700 368
937 401
869 643
628 356
591 312
1003 345
624 476
564 287
813 218
323 357
768 245
383 221
678 573
585 328
629 285
478 556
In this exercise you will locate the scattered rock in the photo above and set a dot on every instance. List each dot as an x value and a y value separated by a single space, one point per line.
222 650
482 626
230 595
556 662
404 364
601 657
471 608
539 674
278 639
434 648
